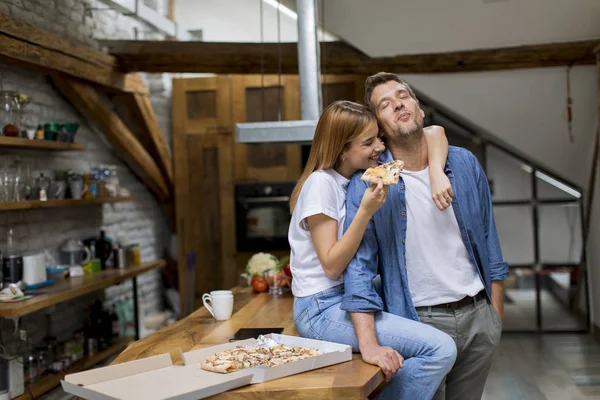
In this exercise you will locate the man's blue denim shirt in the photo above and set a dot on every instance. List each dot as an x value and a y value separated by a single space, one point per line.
383 251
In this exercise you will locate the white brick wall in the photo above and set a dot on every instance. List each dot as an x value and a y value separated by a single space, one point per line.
142 220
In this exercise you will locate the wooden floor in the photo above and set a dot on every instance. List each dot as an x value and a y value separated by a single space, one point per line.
520 312
552 367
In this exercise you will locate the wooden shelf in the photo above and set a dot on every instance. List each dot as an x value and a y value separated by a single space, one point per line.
21 143
32 204
50 381
71 288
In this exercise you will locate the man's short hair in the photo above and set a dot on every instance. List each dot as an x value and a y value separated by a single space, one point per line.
381 78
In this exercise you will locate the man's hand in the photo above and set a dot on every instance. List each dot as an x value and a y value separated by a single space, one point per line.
386 358
441 190
498 297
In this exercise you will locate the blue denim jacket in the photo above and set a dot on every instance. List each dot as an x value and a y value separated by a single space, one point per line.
383 242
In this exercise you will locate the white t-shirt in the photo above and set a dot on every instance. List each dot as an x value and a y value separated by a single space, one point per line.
324 192
438 265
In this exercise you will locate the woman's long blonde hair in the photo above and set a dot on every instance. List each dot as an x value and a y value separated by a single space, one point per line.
341 122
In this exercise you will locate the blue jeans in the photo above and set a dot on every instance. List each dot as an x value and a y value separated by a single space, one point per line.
428 352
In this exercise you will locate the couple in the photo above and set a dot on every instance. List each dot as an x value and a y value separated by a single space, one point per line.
434 325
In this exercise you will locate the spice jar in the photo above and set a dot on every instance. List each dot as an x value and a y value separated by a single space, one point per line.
9 114
135 256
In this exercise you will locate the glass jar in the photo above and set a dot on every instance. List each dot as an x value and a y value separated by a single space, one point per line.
24 121
9 114
114 181
16 172
135 255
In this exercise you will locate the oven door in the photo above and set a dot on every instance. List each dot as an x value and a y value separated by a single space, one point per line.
262 223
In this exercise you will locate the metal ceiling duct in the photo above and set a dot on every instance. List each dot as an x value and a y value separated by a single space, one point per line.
310 89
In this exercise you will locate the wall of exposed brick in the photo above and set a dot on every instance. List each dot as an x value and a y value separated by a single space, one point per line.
83 21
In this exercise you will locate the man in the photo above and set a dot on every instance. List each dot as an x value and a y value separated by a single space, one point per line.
444 268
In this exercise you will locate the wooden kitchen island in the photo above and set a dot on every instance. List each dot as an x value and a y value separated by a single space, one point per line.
351 380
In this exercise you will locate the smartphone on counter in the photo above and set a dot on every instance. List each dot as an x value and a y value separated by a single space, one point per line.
253 333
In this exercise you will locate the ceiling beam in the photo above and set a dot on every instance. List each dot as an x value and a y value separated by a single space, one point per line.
137 113
34 48
88 102
336 58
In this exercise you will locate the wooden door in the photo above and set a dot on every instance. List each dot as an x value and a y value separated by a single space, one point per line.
342 87
269 98
203 144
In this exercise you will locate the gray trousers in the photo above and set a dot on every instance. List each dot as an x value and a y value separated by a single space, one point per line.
476 330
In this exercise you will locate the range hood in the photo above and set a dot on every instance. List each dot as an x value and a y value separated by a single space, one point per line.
301 131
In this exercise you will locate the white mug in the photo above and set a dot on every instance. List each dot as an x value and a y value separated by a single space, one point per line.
219 303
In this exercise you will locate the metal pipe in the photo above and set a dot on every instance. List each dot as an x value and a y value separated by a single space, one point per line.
308 60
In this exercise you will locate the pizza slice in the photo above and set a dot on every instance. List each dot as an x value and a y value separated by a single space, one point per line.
389 173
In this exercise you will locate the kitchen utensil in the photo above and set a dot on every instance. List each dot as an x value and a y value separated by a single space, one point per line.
76 186
58 189
74 253
70 129
12 269
219 303
57 273
51 131
34 269
102 249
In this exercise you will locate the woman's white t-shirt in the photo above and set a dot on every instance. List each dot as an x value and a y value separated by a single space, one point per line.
324 192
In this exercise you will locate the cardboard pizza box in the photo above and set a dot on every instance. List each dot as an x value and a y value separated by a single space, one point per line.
152 378
332 353
156 378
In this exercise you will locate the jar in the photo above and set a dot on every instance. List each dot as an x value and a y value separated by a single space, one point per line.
135 256
113 186
9 114
52 131
87 186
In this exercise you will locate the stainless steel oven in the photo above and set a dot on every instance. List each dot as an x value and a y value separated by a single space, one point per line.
262 216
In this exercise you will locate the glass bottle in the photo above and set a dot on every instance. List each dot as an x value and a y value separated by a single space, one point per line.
13 247
31 366
39 133
17 171
44 184
23 100
9 114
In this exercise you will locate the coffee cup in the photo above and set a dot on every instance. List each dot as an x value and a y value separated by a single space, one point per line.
219 303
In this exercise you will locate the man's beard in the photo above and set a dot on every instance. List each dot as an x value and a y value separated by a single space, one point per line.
413 129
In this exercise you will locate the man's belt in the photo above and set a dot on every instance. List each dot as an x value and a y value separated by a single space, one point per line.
465 301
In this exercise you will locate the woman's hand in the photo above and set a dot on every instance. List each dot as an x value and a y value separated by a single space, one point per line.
441 190
374 198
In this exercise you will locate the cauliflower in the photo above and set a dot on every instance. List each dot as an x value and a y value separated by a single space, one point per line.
259 263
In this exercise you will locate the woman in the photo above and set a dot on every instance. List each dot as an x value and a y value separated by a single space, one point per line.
347 140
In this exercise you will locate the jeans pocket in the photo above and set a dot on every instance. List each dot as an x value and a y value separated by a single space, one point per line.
329 297
303 325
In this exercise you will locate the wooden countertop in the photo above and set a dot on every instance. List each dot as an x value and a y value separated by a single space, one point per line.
350 380
71 288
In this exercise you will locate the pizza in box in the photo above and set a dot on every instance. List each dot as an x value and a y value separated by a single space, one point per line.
233 360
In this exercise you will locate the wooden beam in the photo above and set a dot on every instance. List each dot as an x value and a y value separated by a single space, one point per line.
222 58
87 101
528 56
137 112
336 58
35 48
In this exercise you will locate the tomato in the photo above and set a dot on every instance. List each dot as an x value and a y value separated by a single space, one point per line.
259 284
288 270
